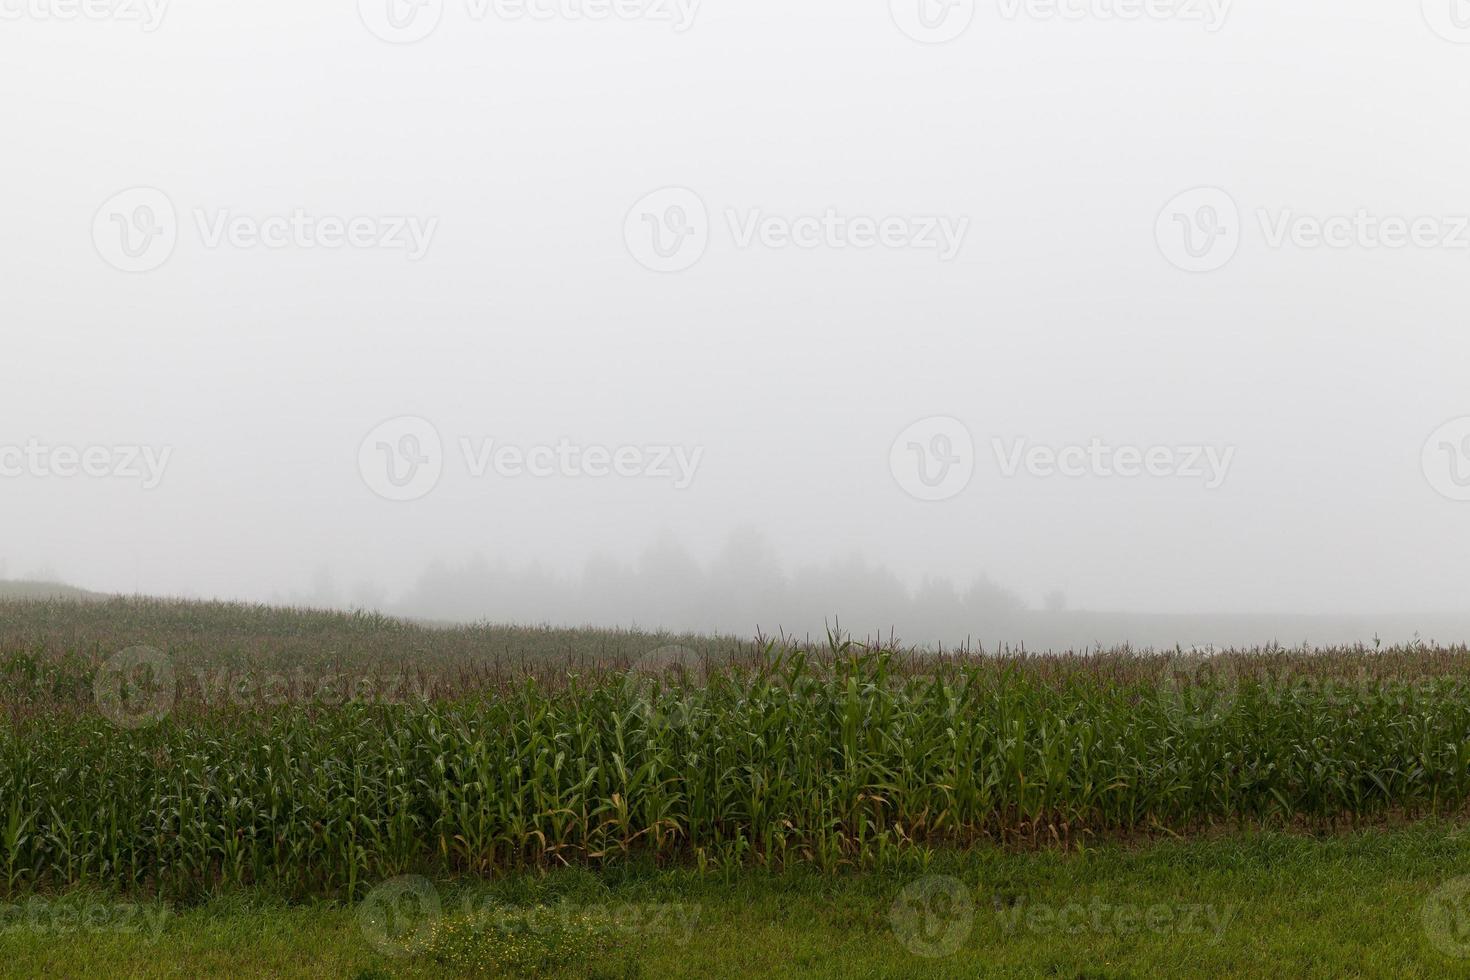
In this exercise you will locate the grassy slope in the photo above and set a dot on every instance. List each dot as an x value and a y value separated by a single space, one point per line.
271 637
35 591
1297 906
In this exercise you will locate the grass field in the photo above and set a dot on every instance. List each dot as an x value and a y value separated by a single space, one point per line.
1370 903
285 784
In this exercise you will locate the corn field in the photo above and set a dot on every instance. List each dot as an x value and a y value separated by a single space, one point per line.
837 757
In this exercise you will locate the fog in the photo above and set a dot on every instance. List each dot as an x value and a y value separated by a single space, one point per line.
1091 322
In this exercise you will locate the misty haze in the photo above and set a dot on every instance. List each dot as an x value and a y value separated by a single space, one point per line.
482 457
875 237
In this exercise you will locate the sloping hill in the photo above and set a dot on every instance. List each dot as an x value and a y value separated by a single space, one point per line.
45 590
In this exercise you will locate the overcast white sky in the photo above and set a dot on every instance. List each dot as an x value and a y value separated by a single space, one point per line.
518 150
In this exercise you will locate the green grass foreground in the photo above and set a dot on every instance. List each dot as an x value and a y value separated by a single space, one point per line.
1383 902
